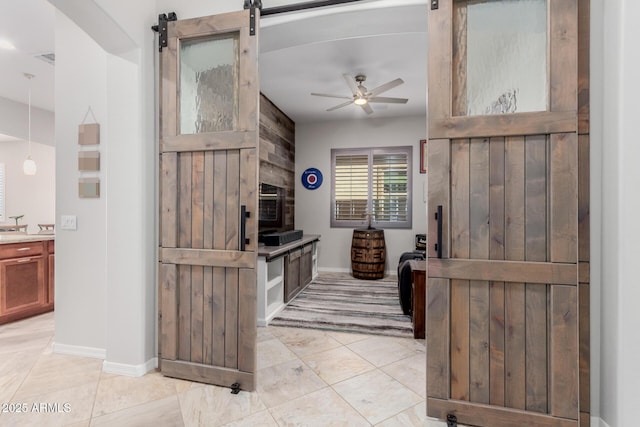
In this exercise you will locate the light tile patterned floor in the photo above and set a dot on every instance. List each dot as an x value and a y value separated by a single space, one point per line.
305 378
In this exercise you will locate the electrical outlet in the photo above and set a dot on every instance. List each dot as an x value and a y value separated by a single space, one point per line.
68 222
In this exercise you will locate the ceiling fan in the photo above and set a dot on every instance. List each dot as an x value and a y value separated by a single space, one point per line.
363 96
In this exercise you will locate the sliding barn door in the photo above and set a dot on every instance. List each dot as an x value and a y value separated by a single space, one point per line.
208 180
508 295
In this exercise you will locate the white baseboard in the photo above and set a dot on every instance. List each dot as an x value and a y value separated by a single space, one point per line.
76 350
598 422
130 370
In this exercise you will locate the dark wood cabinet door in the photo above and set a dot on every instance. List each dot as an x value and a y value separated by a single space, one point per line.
305 265
292 274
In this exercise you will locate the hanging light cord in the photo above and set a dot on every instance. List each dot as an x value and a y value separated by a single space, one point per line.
30 117
30 77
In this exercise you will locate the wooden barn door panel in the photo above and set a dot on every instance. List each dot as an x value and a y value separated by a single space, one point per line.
507 289
208 200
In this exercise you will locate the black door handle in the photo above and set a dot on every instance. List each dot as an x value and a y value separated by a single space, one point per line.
243 227
438 246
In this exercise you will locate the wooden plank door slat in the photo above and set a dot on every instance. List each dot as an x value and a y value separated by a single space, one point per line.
515 382
439 159
168 312
219 242
460 152
207 273
564 198
479 297
231 319
496 252
564 395
169 200
197 272
536 250
438 324
184 241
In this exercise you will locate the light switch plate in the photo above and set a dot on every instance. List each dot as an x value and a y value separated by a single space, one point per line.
68 222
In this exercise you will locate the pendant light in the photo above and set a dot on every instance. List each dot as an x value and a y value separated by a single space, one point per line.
29 166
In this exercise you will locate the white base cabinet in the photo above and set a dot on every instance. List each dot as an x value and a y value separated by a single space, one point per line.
283 271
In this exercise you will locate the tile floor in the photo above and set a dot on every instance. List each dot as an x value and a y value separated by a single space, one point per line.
305 378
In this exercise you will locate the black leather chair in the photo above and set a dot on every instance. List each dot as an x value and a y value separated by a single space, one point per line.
404 279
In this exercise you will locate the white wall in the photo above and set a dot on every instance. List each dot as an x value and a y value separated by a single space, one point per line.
14 121
314 142
81 256
105 270
620 375
31 196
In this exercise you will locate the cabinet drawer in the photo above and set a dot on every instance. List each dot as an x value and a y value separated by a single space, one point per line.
20 250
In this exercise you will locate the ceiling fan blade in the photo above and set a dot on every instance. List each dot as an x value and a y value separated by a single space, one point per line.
332 96
385 87
388 100
344 104
352 84
367 108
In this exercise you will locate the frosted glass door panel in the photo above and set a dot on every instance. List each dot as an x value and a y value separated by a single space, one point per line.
208 85
506 57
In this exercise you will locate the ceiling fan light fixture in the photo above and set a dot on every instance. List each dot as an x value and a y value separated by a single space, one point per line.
360 101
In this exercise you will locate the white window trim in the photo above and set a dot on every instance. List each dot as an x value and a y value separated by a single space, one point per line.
371 152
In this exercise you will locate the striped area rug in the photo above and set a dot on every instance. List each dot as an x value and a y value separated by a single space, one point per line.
339 302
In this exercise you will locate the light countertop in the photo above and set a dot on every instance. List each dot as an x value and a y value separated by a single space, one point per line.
270 252
21 238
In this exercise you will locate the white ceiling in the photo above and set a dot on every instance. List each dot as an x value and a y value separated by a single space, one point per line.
301 53
309 52
29 25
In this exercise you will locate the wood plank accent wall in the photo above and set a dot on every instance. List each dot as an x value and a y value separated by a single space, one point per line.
278 153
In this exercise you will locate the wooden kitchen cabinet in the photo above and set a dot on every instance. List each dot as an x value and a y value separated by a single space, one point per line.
26 284
51 271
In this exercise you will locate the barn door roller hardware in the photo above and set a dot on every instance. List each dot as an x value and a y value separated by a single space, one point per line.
435 4
252 5
161 28
452 420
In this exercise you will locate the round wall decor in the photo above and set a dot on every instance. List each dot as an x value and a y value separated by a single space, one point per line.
311 178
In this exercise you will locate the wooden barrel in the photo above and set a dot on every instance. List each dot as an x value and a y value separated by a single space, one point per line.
368 254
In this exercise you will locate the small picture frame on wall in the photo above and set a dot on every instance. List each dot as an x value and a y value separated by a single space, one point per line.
89 134
423 156
89 188
89 161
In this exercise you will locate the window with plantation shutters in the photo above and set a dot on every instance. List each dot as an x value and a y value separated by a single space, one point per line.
374 181
2 218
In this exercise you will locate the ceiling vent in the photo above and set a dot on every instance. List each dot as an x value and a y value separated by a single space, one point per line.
49 58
